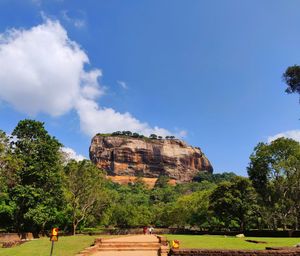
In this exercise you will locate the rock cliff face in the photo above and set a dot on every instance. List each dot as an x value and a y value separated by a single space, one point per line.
128 156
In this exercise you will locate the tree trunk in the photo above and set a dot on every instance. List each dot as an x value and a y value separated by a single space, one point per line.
274 224
43 229
74 228
242 226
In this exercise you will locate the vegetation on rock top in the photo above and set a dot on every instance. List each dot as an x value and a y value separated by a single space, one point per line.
135 135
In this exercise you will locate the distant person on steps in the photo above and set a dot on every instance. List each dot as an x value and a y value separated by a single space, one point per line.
151 229
145 230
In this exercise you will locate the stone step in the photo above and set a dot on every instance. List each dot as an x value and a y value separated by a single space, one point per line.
126 242
127 249
111 245
138 245
130 246
154 245
127 253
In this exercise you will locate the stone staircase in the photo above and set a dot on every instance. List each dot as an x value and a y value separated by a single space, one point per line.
148 245
128 246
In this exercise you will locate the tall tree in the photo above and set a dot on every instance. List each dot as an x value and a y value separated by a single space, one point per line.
191 210
131 206
162 181
85 191
215 178
9 166
40 183
234 201
292 78
275 173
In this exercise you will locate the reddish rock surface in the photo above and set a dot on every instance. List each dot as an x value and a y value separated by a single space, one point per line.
128 156
150 182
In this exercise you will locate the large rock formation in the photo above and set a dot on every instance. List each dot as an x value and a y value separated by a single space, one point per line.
128 156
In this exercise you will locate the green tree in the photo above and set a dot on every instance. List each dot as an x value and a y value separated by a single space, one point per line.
275 173
164 194
234 201
162 214
130 205
131 214
9 163
191 210
9 166
128 133
39 178
153 136
292 79
162 181
85 191
215 178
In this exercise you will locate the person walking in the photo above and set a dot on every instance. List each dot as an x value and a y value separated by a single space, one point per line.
145 230
151 229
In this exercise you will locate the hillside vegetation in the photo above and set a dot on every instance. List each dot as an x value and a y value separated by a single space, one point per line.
40 187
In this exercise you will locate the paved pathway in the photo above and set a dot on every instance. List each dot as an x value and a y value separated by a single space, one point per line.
137 245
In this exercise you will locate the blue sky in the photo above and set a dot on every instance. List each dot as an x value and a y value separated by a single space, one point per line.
209 71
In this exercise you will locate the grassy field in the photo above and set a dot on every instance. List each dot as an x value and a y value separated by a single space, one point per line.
222 242
66 246
70 245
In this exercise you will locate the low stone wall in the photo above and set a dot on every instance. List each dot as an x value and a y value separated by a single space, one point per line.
254 233
250 233
8 237
124 231
12 243
203 252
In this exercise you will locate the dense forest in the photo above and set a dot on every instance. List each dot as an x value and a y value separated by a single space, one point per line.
41 187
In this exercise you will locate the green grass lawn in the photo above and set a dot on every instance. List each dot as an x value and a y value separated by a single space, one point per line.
70 245
66 246
229 242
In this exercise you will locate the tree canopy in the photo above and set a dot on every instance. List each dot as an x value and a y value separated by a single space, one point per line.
275 173
85 191
38 193
292 79
234 201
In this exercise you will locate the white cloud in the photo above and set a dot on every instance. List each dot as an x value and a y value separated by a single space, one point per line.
78 23
94 119
71 154
293 134
182 134
43 71
123 84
